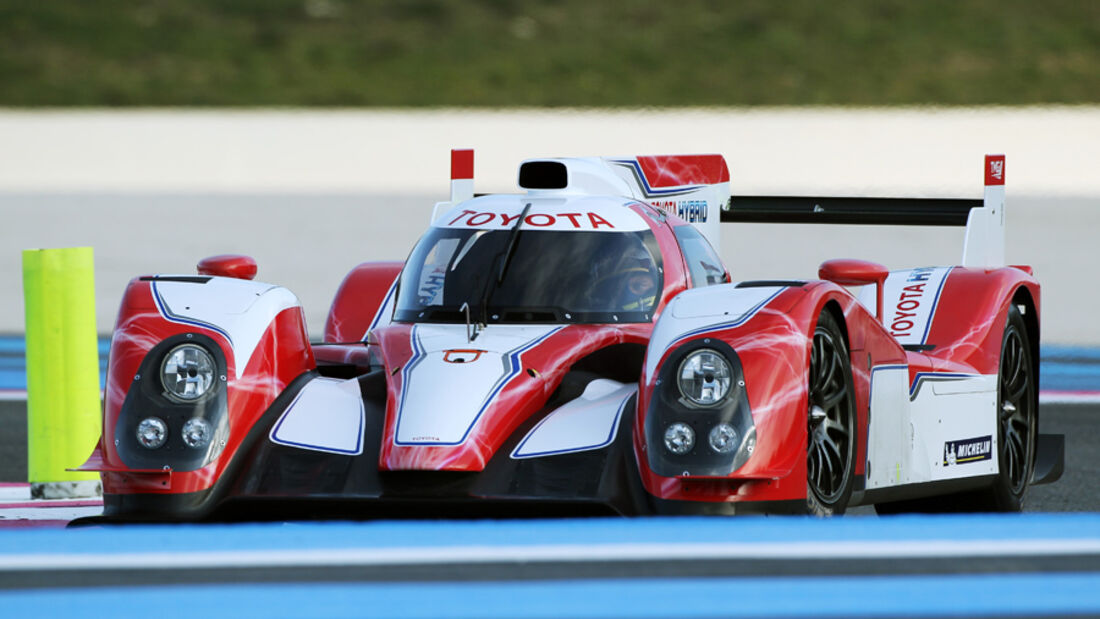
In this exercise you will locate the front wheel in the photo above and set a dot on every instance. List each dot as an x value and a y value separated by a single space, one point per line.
830 453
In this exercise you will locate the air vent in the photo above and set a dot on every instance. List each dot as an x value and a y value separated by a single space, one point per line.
543 175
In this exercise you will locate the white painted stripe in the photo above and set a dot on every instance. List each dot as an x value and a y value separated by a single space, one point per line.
885 549
47 513
1069 397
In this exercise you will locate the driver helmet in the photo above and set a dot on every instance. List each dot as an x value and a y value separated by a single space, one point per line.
639 280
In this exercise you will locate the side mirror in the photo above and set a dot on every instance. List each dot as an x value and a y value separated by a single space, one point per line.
228 265
847 272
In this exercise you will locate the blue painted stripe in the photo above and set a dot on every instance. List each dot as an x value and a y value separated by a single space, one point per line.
580 532
649 191
740 320
932 596
170 316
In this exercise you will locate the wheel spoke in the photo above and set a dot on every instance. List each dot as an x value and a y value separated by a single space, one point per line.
833 428
830 401
1016 396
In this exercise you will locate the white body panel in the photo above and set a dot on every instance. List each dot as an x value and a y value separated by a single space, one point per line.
984 246
909 301
914 428
445 392
240 310
889 432
327 415
588 422
549 211
704 309
955 409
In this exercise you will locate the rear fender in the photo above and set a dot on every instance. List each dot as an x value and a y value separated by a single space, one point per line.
968 319
363 302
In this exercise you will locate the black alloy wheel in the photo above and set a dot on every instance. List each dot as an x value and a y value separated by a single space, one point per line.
830 454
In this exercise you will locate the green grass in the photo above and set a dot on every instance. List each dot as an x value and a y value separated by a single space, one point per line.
547 52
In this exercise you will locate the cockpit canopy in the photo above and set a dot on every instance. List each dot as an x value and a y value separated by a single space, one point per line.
549 276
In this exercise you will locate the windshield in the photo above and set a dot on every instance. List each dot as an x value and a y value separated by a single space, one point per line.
553 276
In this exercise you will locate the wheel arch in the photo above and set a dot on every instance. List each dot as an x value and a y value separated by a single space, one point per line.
1022 297
833 307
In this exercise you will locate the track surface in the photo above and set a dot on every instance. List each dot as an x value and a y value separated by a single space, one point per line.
692 567
1037 564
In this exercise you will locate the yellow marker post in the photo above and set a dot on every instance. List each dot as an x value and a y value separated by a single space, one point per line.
63 395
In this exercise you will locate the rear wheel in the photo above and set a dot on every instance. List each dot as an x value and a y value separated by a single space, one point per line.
830 454
1017 417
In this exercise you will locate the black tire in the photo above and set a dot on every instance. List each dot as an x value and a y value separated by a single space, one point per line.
1017 421
831 422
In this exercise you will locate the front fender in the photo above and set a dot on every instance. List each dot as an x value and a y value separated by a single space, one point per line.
769 327
255 331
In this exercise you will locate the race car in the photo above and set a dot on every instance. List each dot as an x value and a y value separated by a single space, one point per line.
579 348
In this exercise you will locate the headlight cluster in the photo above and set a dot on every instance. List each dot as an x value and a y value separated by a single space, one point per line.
176 411
704 379
187 374
699 414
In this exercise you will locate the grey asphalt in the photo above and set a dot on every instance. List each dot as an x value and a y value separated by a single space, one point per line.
1076 491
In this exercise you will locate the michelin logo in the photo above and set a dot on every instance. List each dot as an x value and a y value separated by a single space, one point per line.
967 450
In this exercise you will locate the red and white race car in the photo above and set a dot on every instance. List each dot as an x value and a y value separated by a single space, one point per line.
579 348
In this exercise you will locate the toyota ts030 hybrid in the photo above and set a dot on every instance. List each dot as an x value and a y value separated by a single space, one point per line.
579 348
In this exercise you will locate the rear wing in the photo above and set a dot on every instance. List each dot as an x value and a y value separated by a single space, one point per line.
984 218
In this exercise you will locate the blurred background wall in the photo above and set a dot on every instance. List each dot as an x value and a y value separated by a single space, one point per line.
314 134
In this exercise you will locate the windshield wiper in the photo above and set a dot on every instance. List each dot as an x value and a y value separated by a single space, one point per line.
505 259
511 250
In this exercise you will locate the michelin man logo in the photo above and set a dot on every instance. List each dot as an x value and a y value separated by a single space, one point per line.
967 450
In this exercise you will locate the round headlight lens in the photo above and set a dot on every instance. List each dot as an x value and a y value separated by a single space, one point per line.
152 432
187 372
723 438
197 433
704 377
679 438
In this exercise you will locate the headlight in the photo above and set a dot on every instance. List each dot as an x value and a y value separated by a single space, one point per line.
197 433
187 372
723 438
679 438
152 432
704 377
